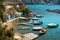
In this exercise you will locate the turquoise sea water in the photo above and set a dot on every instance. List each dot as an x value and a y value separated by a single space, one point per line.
49 17
43 7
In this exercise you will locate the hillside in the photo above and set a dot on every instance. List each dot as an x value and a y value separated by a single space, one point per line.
41 1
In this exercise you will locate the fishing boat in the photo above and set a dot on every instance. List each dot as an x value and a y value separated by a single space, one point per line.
37 28
52 25
24 18
34 18
43 30
38 22
24 28
25 24
39 16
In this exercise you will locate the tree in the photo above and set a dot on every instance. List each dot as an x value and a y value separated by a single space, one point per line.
4 35
1 9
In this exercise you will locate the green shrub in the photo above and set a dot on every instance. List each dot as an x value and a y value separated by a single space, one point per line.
1 9
4 35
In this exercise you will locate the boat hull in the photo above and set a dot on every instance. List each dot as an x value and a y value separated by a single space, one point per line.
38 23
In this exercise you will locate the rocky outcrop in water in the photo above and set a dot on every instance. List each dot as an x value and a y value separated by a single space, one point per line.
55 11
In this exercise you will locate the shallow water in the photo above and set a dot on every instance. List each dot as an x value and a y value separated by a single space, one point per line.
49 17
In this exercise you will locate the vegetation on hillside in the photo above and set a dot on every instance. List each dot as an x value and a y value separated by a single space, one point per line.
9 35
6 35
23 9
1 9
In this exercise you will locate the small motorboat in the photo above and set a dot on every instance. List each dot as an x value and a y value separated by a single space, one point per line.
38 22
24 28
25 24
23 18
43 30
37 28
52 25
34 18
39 16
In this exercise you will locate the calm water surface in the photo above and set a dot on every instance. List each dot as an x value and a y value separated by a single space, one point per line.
49 17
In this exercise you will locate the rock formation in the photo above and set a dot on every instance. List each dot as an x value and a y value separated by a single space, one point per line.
41 1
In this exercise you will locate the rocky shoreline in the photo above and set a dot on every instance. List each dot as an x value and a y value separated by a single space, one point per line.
55 11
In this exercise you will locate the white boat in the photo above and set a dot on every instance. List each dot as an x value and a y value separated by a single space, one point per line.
38 22
34 18
25 24
23 18
37 28
24 28
39 16
52 25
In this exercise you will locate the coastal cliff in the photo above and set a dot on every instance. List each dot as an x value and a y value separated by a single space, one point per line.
41 1
10 7
34 1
